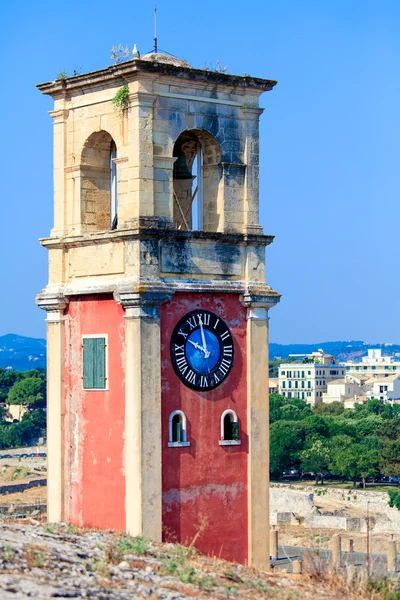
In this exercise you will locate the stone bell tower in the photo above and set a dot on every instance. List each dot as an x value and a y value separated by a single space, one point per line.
157 307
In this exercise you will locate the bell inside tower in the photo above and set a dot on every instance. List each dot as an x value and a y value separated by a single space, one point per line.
187 180
196 181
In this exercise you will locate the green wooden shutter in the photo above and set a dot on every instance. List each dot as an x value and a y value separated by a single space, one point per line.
99 363
94 363
235 431
88 359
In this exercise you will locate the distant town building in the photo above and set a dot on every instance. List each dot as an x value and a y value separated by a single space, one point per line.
386 388
273 385
308 378
372 365
340 390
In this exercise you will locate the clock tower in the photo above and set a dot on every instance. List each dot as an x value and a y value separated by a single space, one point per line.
157 307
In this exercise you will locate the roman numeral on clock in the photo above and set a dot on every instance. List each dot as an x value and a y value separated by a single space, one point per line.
225 335
191 325
224 366
182 365
191 376
228 350
203 381
204 319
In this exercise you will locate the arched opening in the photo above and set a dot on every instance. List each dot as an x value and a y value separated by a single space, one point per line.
99 183
196 180
177 429
229 428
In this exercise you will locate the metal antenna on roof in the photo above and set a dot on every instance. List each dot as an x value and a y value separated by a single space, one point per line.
155 28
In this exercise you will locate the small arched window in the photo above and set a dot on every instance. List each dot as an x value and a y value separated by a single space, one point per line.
177 430
229 429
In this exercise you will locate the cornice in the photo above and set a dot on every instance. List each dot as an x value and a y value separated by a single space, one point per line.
138 69
152 229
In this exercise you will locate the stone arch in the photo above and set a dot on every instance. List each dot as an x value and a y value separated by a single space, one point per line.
196 145
98 182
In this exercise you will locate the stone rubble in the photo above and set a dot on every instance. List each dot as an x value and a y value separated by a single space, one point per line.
48 561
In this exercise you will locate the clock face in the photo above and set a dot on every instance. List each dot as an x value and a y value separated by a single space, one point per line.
202 350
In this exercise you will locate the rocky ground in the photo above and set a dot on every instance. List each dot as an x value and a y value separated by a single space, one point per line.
48 561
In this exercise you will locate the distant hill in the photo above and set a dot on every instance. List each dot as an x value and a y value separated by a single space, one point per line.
22 353
348 350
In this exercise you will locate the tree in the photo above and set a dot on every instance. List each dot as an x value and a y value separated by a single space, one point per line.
345 462
30 391
390 429
394 499
389 459
368 464
286 441
334 408
315 460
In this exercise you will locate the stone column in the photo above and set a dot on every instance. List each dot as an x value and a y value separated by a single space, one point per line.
258 432
336 547
164 202
55 307
251 187
139 198
231 206
273 541
143 496
391 555
297 567
60 133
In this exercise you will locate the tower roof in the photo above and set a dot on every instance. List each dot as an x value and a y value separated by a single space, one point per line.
157 63
163 57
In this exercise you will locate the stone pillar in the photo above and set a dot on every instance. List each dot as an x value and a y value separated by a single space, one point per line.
139 199
59 116
336 547
297 567
251 187
143 496
164 203
350 556
273 542
231 205
391 555
213 214
258 432
55 307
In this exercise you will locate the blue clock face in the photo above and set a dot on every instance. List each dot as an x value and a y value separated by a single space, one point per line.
202 350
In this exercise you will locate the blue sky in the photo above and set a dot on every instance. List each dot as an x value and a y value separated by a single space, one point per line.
329 144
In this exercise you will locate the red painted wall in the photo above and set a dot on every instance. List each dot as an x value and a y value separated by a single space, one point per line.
205 482
94 420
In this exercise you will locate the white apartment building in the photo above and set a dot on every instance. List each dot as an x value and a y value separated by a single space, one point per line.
374 364
386 388
273 385
308 380
339 390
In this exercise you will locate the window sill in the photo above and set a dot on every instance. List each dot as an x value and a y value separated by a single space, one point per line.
229 442
178 444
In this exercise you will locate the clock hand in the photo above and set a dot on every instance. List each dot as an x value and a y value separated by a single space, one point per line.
196 345
206 352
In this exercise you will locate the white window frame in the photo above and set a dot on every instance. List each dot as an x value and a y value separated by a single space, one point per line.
105 337
222 441
184 443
